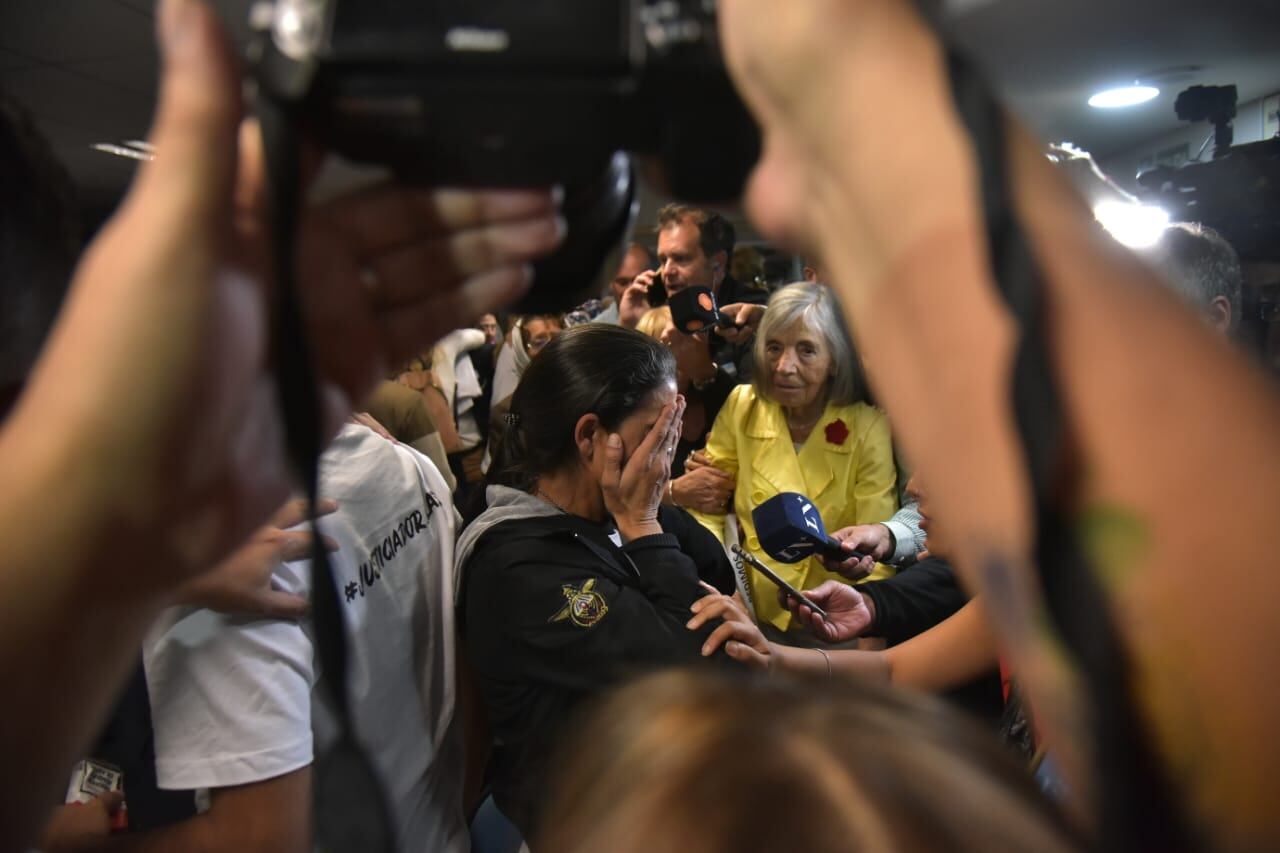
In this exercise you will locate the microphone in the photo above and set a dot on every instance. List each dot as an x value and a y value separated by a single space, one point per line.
694 310
790 529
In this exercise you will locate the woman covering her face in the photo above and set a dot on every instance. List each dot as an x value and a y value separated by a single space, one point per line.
576 575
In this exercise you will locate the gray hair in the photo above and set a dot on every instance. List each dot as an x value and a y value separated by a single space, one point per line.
814 306
1200 265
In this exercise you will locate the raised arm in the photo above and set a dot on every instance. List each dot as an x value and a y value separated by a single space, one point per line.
900 228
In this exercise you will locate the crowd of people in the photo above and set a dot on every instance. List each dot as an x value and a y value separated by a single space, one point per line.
551 642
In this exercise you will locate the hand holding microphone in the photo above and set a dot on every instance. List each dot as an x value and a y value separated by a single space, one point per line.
790 530
864 545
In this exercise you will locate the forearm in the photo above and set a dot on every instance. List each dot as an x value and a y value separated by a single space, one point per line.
269 816
1153 448
193 835
71 618
949 655
844 663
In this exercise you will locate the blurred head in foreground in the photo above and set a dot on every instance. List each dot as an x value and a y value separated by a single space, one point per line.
703 762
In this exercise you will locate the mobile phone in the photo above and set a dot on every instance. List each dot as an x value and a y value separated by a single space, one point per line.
657 292
778 581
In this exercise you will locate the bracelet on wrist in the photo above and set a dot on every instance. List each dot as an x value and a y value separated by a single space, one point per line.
671 493
826 658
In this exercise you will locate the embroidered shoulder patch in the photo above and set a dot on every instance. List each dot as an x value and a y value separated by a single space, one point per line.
585 607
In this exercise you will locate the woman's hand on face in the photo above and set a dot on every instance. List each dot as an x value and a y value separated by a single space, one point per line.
705 489
737 633
633 489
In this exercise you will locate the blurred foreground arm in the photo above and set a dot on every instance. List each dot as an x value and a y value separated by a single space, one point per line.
167 454
900 228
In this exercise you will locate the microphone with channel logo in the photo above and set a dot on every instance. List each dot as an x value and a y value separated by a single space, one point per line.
790 529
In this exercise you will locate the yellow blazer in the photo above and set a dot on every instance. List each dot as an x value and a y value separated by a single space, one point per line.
853 481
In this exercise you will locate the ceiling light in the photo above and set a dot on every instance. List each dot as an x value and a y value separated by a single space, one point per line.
122 151
1123 96
1137 226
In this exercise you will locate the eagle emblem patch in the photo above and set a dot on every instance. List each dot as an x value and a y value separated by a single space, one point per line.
585 607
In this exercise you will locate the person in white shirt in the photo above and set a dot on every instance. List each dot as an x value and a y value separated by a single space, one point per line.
232 698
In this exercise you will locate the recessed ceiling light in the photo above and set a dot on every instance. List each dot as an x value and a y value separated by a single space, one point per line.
1123 96
122 151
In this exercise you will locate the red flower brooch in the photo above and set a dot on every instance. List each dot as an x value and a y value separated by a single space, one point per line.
837 432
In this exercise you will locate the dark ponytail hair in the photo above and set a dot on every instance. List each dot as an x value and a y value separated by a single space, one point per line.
594 368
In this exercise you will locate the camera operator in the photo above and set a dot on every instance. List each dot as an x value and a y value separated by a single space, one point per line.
1201 267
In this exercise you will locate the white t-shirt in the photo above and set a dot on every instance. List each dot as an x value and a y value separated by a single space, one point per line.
231 698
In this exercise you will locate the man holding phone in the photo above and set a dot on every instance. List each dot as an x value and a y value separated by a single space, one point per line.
695 246
694 249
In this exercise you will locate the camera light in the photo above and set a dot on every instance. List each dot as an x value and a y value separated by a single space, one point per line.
1123 96
122 151
1137 226
298 27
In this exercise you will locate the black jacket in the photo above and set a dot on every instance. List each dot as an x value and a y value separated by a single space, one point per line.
553 612
914 600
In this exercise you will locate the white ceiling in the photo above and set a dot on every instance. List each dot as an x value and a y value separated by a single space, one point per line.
1049 57
86 68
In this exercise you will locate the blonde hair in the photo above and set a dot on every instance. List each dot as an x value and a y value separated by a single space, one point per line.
654 321
812 305
707 762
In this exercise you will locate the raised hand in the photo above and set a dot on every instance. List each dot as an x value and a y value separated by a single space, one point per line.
241 584
633 488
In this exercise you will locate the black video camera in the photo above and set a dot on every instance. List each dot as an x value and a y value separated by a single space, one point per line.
509 93
1234 193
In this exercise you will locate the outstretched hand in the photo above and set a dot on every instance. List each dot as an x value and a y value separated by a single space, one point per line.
241 584
801 68
737 632
849 612
175 298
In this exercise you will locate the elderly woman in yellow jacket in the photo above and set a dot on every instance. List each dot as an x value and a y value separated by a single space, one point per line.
800 427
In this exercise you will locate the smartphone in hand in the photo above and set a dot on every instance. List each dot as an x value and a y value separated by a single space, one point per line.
777 580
